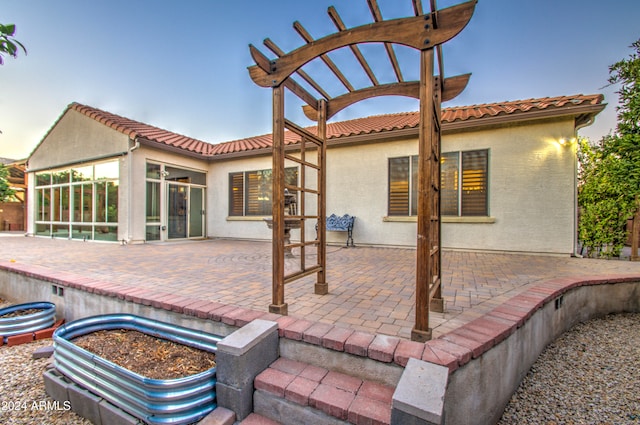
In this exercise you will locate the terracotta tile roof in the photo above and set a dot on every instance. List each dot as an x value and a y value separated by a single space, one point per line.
463 113
360 126
390 122
136 129
251 143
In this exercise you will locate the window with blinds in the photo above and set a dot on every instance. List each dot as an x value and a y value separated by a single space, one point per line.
473 194
399 186
403 186
463 184
250 191
258 192
449 183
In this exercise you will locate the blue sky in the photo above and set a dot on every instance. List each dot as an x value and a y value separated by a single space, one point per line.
182 65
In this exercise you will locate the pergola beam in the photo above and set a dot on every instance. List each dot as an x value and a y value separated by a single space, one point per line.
452 87
263 62
269 44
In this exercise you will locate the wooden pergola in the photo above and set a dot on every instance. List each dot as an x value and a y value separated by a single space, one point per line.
425 32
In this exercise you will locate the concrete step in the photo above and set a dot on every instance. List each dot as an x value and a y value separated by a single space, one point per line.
291 392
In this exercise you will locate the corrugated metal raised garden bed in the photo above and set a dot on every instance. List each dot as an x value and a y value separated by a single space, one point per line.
158 401
25 318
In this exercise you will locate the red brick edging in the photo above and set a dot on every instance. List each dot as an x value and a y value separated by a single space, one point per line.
31 336
471 340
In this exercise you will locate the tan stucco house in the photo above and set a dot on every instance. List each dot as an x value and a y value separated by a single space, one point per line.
508 178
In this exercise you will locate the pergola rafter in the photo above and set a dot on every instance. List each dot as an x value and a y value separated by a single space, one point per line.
423 32
337 20
377 17
325 58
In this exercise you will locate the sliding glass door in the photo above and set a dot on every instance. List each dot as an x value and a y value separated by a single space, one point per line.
177 211
186 211
181 192
196 212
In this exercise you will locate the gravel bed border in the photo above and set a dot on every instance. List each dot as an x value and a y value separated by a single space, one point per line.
589 375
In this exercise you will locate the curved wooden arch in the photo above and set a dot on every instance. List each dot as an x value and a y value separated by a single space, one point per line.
417 32
452 87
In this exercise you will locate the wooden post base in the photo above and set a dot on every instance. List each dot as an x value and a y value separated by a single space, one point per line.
321 288
420 336
437 305
279 309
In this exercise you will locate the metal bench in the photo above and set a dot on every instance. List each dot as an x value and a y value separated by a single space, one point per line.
341 224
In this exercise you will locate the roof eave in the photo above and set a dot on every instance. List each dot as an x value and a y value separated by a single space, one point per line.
168 148
590 111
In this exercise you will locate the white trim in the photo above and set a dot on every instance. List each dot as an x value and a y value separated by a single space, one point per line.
444 219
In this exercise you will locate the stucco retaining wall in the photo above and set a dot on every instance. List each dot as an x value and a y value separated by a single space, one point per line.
76 303
479 390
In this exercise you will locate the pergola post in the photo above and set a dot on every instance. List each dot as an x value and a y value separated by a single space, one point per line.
322 287
436 302
427 159
278 305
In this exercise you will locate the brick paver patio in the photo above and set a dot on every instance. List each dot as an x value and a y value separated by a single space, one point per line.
370 289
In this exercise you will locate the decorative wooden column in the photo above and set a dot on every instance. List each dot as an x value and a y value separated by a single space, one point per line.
278 305
436 302
428 243
322 287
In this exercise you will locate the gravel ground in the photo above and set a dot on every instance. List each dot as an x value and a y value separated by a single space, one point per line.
590 375
23 399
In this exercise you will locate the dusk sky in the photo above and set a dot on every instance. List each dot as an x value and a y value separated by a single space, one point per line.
182 65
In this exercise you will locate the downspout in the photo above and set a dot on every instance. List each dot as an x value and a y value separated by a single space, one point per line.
575 186
135 145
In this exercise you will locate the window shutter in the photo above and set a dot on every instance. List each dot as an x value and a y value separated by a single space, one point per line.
399 186
474 183
236 194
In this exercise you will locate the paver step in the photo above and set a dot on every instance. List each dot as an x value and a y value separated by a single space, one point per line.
292 392
255 419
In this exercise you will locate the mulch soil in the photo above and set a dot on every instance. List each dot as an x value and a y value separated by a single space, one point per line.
19 313
147 355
